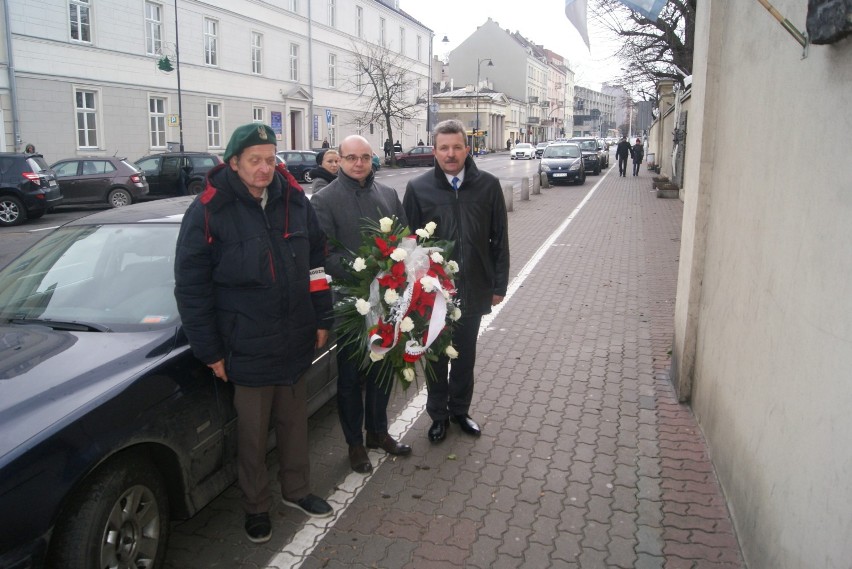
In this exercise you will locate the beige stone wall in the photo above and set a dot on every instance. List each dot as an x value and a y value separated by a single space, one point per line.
764 308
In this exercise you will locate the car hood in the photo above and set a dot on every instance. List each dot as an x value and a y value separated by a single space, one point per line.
47 376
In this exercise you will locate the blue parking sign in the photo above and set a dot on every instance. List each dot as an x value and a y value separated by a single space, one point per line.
328 116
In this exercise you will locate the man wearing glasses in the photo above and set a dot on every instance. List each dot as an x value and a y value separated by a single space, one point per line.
341 207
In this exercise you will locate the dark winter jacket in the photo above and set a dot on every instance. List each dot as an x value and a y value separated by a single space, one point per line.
342 207
623 150
249 281
638 153
475 219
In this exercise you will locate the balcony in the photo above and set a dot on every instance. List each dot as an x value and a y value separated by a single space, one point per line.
533 120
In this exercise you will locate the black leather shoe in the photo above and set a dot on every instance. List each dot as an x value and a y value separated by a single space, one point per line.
438 430
467 425
358 459
387 443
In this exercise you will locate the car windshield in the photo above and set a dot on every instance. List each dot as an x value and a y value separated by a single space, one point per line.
561 152
588 145
108 277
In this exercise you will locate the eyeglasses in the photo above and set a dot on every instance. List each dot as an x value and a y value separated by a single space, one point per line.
356 158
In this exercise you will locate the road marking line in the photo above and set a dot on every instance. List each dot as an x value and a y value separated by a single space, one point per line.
308 538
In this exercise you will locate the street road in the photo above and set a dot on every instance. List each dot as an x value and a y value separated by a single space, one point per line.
16 239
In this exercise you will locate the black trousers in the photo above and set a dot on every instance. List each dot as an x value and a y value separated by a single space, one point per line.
359 409
451 393
636 168
622 165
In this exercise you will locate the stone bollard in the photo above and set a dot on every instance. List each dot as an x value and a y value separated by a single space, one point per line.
545 183
536 185
508 197
525 189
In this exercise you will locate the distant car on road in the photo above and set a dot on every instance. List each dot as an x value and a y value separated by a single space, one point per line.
99 180
110 425
299 163
28 187
591 154
539 148
164 177
416 156
523 150
563 162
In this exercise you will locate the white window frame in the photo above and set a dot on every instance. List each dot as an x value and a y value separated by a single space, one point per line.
257 53
419 48
382 29
77 8
332 70
294 62
88 113
293 6
359 21
157 122
211 42
401 40
332 131
258 114
153 28
332 13
214 124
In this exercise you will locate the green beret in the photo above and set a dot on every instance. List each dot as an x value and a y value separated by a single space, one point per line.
247 135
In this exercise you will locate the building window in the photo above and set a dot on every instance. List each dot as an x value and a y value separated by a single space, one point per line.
332 13
332 70
258 114
211 41
214 125
80 20
332 131
294 5
157 121
87 118
294 62
382 32
256 53
402 41
359 21
153 28
419 48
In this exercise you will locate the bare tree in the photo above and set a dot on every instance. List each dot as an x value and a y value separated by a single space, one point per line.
651 51
385 89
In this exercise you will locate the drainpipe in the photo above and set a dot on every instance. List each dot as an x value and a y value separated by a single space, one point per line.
310 77
13 90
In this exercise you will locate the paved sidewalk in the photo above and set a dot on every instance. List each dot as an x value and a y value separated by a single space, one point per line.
586 458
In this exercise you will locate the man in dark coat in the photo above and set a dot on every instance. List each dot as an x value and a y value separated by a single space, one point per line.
622 151
638 153
342 206
254 303
468 207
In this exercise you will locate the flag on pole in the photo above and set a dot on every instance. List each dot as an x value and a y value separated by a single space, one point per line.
649 8
576 11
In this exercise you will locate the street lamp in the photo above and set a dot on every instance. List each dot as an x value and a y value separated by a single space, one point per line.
479 63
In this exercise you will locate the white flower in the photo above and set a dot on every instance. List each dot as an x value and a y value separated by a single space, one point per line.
362 306
452 266
451 352
408 375
430 227
391 296
359 264
385 224
455 314
428 284
422 233
377 357
407 325
399 254
436 257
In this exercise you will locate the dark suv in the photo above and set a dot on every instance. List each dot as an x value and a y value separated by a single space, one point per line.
176 173
591 154
28 188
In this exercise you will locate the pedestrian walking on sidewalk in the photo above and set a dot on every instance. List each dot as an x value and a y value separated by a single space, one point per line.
622 151
638 152
342 206
468 207
255 303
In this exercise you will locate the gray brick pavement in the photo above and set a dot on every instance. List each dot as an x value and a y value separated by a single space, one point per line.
586 459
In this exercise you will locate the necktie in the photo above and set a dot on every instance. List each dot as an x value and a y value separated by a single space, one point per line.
455 183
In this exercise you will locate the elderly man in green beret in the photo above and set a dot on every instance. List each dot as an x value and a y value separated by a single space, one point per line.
254 302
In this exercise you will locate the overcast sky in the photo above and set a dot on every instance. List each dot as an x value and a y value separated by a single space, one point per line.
541 21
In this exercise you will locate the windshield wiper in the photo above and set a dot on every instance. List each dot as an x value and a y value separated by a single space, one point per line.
72 326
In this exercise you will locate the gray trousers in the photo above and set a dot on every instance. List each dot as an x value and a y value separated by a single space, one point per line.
256 407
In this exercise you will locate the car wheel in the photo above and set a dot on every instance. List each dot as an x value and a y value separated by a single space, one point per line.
118 518
400 163
119 197
511 157
195 187
597 171
12 211
582 179
307 176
